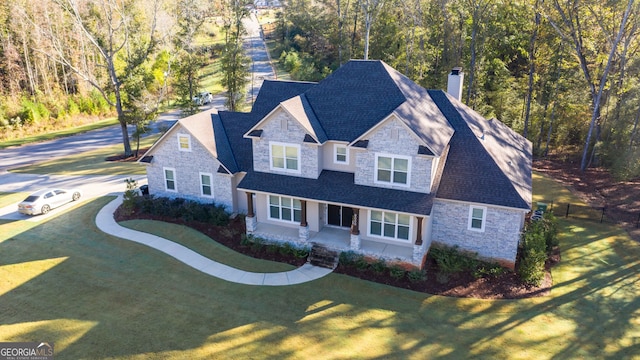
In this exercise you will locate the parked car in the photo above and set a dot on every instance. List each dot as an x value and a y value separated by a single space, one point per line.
203 98
41 202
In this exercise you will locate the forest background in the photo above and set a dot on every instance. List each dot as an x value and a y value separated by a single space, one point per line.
565 74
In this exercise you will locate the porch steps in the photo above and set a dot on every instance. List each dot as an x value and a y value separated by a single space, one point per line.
323 257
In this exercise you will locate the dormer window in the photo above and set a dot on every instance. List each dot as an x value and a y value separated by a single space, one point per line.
340 154
285 157
392 169
184 142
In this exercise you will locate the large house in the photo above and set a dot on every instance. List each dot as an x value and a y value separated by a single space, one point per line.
364 160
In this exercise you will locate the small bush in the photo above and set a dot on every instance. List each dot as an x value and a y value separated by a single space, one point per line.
451 261
486 270
396 272
417 275
287 249
362 264
246 240
349 257
186 210
301 253
379 265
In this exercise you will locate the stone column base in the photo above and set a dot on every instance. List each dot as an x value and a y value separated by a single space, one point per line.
251 223
418 254
355 242
303 233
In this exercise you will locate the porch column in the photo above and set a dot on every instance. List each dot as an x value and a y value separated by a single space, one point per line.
418 249
303 230
250 220
355 230
419 231
303 213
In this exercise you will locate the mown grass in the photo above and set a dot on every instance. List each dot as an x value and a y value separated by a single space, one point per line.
59 134
91 163
99 297
205 246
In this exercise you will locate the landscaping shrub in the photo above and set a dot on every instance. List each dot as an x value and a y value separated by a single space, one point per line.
450 260
301 253
287 249
361 263
379 265
349 258
186 210
396 272
417 275
533 253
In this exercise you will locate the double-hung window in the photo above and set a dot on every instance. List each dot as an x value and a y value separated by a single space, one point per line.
389 225
284 208
184 142
285 157
206 188
341 154
392 169
477 218
169 179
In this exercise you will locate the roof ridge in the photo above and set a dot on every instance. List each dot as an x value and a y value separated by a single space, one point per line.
216 119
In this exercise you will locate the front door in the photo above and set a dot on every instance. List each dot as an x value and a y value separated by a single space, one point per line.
339 215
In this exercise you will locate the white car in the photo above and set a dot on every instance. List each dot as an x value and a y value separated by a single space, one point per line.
41 202
203 98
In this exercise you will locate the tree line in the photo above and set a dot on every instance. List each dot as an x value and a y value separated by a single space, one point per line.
63 57
562 73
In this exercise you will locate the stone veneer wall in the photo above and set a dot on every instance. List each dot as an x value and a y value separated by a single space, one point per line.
498 241
405 144
188 165
293 134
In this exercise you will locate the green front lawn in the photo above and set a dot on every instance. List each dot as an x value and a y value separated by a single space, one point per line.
98 297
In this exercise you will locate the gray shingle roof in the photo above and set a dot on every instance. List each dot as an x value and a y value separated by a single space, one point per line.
487 162
338 187
354 98
234 151
273 92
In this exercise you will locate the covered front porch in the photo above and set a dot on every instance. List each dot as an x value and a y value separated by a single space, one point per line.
335 239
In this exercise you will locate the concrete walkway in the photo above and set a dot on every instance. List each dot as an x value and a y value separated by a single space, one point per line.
106 223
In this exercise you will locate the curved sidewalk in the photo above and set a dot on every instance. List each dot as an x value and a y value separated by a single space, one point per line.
106 223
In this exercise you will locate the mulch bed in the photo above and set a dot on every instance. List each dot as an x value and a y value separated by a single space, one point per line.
462 284
122 158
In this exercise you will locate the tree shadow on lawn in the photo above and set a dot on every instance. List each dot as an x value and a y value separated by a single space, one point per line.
108 297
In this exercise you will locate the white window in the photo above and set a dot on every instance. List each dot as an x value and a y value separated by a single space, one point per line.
389 225
477 215
340 154
170 179
206 188
184 142
285 157
284 208
392 169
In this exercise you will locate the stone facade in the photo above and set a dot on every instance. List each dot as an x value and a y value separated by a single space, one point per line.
394 138
499 240
281 127
188 166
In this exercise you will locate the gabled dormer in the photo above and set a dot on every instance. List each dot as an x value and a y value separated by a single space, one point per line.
288 140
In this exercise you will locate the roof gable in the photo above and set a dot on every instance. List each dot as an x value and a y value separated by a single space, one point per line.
298 107
198 126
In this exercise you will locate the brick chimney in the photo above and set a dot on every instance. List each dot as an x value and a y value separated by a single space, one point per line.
454 83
